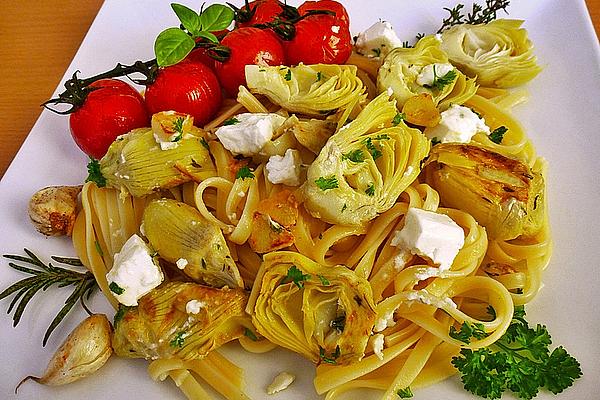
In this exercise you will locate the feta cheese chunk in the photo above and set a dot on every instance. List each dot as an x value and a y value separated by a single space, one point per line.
182 263
286 169
428 75
431 235
458 124
250 132
168 128
377 40
280 382
134 273
194 306
378 345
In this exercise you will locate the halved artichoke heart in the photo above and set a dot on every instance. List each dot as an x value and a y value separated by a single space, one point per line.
402 66
323 313
307 89
498 53
164 325
135 163
182 236
502 194
364 167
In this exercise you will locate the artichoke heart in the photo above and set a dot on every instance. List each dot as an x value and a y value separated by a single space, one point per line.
502 194
307 89
135 163
180 319
182 236
365 166
323 313
498 53
401 68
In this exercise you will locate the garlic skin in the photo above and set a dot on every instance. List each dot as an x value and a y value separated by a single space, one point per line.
85 350
53 209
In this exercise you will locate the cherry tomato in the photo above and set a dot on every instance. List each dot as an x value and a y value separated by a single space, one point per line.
248 46
112 109
328 5
319 39
259 12
200 54
188 87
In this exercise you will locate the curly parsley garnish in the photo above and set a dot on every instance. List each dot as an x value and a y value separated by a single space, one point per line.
244 173
95 174
231 121
326 183
295 275
370 190
178 339
356 156
405 393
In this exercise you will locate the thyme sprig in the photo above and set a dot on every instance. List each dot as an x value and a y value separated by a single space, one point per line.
44 276
478 15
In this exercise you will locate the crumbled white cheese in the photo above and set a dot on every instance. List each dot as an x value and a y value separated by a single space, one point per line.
431 235
182 263
378 345
458 124
424 297
409 170
401 259
432 71
134 272
378 40
286 169
194 306
250 133
385 321
280 382
427 272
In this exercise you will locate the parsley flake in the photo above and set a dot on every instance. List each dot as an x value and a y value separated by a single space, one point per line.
375 152
498 134
115 288
244 173
204 143
250 335
405 393
398 118
295 275
467 331
326 183
95 174
231 121
370 190
356 156
331 359
324 280
178 340
439 82
288 75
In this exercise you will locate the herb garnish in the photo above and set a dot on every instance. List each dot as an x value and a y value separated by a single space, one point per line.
115 288
178 339
250 335
498 134
288 75
324 281
375 152
295 275
468 331
332 358
356 156
370 190
478 14
439 82
326 183
231 121
244 173
398 118
44 277
95 174
405 393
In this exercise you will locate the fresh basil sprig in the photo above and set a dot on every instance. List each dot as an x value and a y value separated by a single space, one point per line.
173 44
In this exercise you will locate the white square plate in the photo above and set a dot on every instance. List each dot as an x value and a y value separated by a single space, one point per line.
562 119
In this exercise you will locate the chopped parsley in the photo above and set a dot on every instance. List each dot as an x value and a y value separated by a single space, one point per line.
288 75
370 190
405 393
331 359
435 140
178 340
250 335
204 143
319 76
326 183
295 275
120 314
115 288
439 82
178 126
467 331
231 121
398 118
95 174
498 134
356 156
324 280
244 173
375 152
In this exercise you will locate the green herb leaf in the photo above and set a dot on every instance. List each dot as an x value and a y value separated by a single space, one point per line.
95 174
208 36
370 190
319 76
326 183
288 75
468 331
498 134
440 82
435 140
375 152
295 275
171 46
216 17
188 17
244 173
405 393
249 334
115 288
332 358
324 281
120 314
204 143
356 156
478 14
398 118
178 340
231 121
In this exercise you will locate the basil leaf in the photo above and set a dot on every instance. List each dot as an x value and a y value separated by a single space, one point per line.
188 17
216 17
171 46
207 35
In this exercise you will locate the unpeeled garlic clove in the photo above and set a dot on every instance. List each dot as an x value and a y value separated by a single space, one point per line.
53 209
85 350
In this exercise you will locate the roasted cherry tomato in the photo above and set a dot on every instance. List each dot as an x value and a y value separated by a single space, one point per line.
111 109
258 12
319 39
188 87
201 54
248 46
328 5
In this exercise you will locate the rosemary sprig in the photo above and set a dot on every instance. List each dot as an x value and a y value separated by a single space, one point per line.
478 14
43 277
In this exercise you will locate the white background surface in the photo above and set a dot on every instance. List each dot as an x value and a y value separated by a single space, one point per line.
562 118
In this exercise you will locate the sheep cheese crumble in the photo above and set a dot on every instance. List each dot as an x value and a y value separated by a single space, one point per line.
458 124
378 40
431 235
134 272
427 75
286 169
194 306
250 132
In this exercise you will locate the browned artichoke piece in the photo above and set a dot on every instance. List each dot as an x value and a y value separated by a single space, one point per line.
324 313
179 319
182 236
272 221
503 194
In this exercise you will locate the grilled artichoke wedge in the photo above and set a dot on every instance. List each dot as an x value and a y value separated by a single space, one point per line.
502 194
325 314
135 163
179 319
182 236
307 89
365 166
